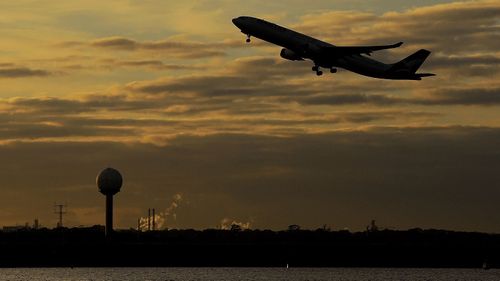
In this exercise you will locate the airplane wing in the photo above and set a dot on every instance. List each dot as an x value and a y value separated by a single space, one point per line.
343 51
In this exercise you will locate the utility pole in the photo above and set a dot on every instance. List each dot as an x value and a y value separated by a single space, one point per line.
59 209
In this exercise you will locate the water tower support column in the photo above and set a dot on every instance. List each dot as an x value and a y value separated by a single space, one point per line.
109 215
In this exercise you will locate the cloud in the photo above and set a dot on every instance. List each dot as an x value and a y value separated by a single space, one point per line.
279 79
464 96
238 125
438 177
115 43
343 99
258 76
230 101
60 120
453 60
445 96
461 35
175 48
79 104
19 72
458 27
282 103
110 63
457 58
154 64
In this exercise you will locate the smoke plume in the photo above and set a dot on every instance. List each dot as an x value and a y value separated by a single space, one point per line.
230 224
164 217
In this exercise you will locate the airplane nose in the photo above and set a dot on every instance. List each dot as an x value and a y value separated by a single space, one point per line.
236 21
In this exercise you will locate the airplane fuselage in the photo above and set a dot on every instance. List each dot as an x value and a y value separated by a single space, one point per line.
313 49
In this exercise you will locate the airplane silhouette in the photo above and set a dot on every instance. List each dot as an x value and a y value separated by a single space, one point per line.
298 47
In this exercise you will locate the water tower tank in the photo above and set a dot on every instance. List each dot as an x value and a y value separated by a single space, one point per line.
109 181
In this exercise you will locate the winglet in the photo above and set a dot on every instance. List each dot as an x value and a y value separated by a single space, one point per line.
397 45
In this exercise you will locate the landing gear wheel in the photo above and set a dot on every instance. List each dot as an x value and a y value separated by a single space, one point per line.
333 70
248 39
319 72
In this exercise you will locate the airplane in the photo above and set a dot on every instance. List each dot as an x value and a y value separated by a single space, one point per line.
299 47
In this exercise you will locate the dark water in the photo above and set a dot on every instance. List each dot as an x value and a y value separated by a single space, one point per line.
247 274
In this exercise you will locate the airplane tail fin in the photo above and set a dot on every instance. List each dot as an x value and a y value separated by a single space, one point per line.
413 62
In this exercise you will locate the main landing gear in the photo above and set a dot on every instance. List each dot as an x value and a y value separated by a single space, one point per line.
318 71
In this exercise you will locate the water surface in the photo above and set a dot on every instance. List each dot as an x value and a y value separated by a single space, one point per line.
246 274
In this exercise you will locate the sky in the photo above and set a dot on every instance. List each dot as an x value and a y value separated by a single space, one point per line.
210 131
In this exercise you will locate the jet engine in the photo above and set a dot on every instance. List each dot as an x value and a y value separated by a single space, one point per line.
290 55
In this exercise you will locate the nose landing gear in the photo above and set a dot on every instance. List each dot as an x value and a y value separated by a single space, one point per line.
248 39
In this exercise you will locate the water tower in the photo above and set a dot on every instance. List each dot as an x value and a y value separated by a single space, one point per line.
109 181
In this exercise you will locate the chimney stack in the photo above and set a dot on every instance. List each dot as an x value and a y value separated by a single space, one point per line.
149 219
154 225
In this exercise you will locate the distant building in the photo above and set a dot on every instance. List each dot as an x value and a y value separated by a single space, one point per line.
372 227
14 228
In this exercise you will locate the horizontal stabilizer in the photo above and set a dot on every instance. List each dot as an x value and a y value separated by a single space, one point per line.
425 74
